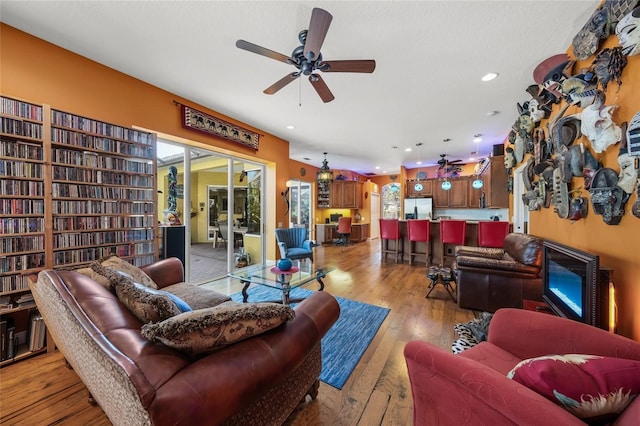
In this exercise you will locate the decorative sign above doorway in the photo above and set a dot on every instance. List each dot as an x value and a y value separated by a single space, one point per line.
205 123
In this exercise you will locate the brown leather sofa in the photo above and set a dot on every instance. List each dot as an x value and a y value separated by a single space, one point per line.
491 278
260 380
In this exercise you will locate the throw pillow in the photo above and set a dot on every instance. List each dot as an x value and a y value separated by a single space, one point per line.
207 330
96 272
148 305
136 274
590 387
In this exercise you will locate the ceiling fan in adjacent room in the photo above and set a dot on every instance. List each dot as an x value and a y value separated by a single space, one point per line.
307 57
448 168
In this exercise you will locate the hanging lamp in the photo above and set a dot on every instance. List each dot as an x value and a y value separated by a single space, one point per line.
325 174
477 182
446 185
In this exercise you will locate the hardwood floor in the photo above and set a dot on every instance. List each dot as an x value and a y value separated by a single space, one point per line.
41 390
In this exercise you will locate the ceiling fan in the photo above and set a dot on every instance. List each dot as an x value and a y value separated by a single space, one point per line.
448 168
308 59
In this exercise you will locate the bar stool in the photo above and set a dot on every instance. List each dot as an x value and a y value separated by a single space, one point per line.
492 233
452 232
418 230
390 230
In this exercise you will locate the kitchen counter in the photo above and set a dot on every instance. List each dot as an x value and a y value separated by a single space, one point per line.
471 239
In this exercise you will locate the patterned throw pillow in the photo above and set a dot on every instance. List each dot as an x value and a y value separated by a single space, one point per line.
207 330
136 274
148 305
593 388
96 272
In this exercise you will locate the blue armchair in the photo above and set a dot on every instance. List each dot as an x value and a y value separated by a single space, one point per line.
293 243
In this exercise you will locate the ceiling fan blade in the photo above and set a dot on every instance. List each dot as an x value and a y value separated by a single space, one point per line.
281 83
321 87
318 27
254 48
364 65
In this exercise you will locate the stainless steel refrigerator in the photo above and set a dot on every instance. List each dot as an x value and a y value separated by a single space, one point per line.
418 208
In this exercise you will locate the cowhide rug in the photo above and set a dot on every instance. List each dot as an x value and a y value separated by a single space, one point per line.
471 333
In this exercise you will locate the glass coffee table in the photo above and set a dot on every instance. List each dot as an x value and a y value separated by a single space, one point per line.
302 272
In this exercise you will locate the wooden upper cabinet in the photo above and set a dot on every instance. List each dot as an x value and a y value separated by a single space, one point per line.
494 179
457 196
419 188
346 194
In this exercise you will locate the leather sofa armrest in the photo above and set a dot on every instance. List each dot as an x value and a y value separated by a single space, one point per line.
452 390
495 266
490 252
165 272
548 334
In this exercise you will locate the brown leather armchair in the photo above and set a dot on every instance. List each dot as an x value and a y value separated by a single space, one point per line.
493 278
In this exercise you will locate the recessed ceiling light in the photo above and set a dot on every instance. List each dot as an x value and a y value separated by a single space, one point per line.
290 127
492 113
472 159
489 76
407 150
477 137
377 167
418 162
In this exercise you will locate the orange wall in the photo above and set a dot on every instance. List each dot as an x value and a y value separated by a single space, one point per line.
617 245
40 72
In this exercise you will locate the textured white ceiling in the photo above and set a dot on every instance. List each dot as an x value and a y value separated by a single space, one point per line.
430 57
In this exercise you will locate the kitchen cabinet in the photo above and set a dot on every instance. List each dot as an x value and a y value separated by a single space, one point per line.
455 197
346 194
359 232
419 188
494 179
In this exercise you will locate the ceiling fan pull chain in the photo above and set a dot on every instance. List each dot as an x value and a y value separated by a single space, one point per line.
300 93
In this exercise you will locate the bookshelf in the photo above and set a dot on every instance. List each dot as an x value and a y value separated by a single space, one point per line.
72 190
103 191
22 219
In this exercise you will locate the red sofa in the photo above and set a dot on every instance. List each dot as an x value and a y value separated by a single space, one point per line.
472 388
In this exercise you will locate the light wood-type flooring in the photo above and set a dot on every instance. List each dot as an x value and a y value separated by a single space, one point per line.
43 391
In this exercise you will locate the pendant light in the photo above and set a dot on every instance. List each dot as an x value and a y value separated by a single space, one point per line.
446 185
325 174
477 182
420 175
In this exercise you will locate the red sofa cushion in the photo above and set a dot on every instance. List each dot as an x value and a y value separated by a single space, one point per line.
594 388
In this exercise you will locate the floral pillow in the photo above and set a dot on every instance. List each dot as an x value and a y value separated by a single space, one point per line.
593 388
210 329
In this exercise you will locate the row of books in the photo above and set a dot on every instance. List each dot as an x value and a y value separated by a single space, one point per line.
20 149
81 223
21 243
20 128
21 206
21 109
9 340
90 254
100 238
102 192
24 169
73 173
60 118
100 144
22 187
93 159
102 207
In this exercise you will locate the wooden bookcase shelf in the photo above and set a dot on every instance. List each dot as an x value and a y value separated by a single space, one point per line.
72 190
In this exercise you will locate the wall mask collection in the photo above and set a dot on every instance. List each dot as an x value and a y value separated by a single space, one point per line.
565 148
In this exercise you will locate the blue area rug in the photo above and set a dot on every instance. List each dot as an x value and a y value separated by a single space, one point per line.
345 342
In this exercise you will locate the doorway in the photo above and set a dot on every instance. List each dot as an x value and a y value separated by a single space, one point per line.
222 232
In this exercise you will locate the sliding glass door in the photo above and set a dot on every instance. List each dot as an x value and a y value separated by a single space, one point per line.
300 196
219 205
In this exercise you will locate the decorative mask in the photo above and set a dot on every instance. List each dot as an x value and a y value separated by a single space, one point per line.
628 33
578 209
509 160
608 66
628 173
535 111
607 198
598 126
580 89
